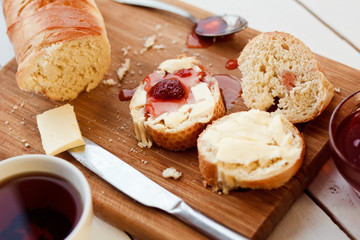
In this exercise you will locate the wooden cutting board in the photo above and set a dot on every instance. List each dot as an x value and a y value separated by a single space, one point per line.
105 119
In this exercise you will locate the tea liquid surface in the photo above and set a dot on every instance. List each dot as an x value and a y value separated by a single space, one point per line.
38 206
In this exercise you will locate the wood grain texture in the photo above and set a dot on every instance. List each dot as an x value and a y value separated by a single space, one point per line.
106 120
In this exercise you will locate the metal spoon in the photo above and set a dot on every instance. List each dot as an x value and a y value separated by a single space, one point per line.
214 26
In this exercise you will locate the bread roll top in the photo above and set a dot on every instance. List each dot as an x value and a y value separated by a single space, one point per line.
175 123
281 71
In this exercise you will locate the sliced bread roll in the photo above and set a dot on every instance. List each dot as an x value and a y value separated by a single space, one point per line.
61 46
173 105
250 149
278 69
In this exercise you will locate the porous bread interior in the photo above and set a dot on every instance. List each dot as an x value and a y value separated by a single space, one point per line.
262 63
258 174
65 69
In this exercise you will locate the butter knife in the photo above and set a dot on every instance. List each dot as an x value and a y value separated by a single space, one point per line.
145 191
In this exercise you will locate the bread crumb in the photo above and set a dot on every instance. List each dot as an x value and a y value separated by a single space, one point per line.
171 172
157 27
6 122
109 82
125 50
27 144
123 69
149 42
337 89
159 47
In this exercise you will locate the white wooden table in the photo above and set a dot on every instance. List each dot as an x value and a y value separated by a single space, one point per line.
329 208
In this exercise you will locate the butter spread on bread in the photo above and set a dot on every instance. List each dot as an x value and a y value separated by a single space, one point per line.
250 149
174 122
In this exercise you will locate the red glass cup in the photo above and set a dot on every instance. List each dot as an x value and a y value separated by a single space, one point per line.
346 167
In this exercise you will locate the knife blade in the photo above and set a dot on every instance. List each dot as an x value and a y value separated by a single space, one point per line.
145 191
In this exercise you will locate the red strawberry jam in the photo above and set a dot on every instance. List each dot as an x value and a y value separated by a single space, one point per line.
288 79
167 89
167 92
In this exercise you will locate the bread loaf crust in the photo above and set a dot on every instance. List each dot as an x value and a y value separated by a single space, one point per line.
36 26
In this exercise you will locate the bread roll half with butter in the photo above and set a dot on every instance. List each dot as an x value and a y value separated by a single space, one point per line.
280 70
61 46
250 149
174 104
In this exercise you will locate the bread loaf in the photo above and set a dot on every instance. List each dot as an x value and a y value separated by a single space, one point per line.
174 104
61 46
250 149
279 70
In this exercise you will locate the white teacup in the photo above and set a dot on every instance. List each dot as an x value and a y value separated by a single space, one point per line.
49 165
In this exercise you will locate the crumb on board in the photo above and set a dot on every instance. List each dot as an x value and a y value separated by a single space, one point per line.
157 27
109 82
149 42
337 89
123 69
171 173
159 46
125 50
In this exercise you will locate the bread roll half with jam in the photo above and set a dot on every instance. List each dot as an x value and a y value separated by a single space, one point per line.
280 70
173 105
61 47
251 149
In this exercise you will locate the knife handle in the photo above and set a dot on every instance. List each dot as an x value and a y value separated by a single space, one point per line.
204 224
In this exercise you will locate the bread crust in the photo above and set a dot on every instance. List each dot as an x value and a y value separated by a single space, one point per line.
263 61
219 179
35 26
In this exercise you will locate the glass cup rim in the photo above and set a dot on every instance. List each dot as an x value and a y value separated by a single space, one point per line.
333 145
